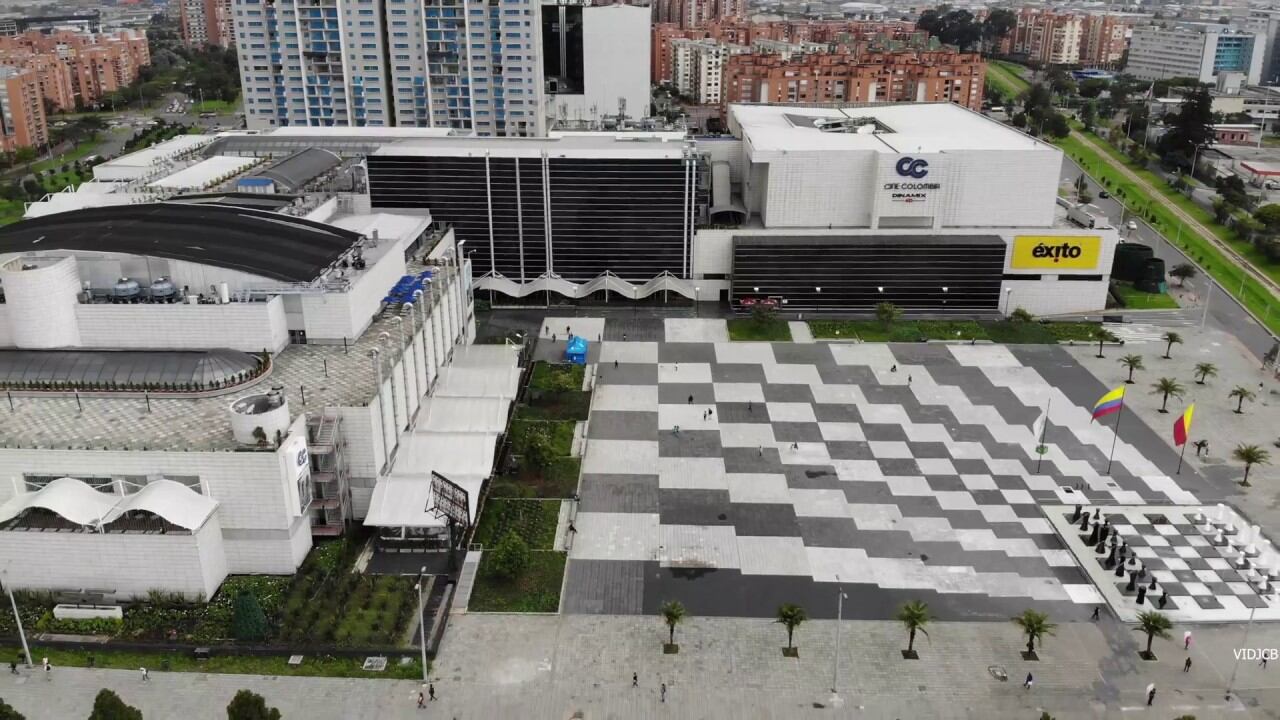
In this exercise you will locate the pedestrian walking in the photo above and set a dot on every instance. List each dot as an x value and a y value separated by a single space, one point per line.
431 691
690 399
422 700
1151 694
1263 664
761 451
710 413
48 669
145 675
675 431
749 406
13 667
635 680
894 368
1186 640
664 692
615 364
1186 666
624 337
908 379
1097 609
1026 684
795 445
572 529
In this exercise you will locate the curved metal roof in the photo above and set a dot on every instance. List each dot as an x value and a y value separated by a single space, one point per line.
300 168
269 244
123 367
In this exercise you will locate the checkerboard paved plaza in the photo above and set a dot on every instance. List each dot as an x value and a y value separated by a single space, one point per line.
898 471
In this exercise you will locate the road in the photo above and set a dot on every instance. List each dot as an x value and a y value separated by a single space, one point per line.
1225 313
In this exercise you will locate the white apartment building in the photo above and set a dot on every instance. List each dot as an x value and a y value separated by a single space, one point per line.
1198 50
1265 23
596 73
697 68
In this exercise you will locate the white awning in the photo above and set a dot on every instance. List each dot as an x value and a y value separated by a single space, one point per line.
405 501
478 382
450 454
464 414
78 502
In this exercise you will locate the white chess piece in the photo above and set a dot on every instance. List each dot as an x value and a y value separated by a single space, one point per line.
1220 514
1207 528
1198 518
1218 539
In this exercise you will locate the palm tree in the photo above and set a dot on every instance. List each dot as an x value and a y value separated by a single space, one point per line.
673 613
1166 387
1240 393
1035 625
914 615
1205 370
1250 455
790 616
1103 335
1155 625
1171 338
1132 362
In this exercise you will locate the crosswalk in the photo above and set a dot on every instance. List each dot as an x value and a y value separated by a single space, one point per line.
1144 328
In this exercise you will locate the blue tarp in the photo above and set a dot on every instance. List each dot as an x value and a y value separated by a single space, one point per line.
576 351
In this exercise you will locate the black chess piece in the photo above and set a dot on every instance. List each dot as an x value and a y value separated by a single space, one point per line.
1084 523
1093 534
1075 515
1142 596
1111 559
1101 548
1164 598
1120 569
1133 581
1142 572
1152 586
1097 514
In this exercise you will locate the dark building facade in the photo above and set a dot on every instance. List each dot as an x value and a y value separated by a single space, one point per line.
939 274
528 215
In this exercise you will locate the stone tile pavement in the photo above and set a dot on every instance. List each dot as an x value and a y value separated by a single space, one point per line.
503 666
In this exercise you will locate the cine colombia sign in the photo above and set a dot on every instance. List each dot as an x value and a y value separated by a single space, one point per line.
1055 252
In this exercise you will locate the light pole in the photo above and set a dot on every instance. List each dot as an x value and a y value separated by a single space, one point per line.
376 356
697 292
404 366
1231 684
1204 314
17 618
1008 292
835 659
422 623
395 416
422 322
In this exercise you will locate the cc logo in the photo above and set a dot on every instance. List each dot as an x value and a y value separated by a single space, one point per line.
911 167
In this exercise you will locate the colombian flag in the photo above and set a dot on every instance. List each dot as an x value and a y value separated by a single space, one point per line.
1109 403
1182 426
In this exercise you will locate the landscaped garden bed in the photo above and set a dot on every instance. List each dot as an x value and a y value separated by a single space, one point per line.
1000 331
759 330
535 589
405 667
533 520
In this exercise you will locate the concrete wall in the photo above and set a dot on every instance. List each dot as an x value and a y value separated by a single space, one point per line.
130 564
615 38
249 327
42 303
330 317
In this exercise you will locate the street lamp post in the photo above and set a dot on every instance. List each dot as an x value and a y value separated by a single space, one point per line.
697 292
835 659
26 651
404 365
422 623
395 415
1231 684
1008 292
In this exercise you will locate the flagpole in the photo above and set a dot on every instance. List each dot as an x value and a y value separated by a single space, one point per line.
1180 456
1115 435
1044 429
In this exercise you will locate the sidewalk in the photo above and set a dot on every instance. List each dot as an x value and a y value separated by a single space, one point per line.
508 666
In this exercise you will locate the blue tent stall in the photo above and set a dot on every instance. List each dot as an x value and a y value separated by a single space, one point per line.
576 351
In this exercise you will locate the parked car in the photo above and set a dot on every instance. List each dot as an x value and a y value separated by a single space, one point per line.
1104 194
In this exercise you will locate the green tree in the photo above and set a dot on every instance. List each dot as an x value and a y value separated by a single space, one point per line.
1269 216
673 613
1205 370
1021 315
763 315
248 705
108 706
1131 363
1183 272
790 616
1189 128
248 621
536 447
1240 393
1103 335
1154 625
914 615
1250 455
998 24
1171 338
888 313
8 713
1221 211
510 558
1035 625
1167 387
1089 115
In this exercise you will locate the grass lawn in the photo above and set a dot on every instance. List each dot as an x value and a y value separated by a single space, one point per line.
79 151
557 377
1020 333
312 665
10 211
57 182
560 431
558 481
537 590
1135 299
542 405
750 330
217 106
1249 291
533 520
908 331
1071 331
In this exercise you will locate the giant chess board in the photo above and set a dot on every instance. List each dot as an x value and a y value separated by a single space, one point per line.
735 476
1194 564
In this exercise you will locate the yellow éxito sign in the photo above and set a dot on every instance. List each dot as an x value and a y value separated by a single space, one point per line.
1055 252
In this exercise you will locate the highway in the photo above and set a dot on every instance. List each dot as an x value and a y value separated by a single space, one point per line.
1224 312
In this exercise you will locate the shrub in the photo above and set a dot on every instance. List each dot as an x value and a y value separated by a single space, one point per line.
249 622
108 706
510 558
248 705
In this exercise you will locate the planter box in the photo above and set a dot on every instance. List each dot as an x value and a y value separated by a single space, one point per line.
87 612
